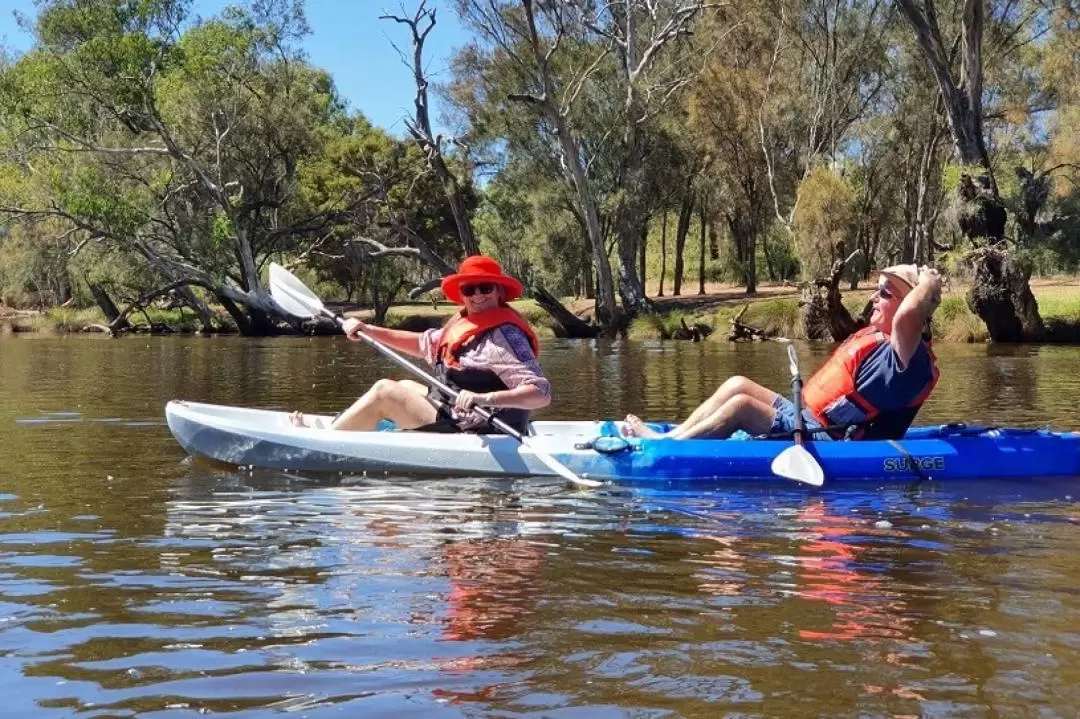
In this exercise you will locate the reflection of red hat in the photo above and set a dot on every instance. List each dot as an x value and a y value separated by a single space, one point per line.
476 269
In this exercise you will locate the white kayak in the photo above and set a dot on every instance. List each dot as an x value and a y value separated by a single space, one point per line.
265 438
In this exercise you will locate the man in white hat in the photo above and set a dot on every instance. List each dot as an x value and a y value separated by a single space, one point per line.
871 386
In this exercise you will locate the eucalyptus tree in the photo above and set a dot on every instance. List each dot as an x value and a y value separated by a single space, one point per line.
792 81
990 41
724 106
828 64
587 78
399 222
179 141
455 182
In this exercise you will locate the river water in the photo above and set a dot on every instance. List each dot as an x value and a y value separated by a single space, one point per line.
135 581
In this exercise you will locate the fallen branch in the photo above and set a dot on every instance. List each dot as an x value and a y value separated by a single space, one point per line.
140 303
742 332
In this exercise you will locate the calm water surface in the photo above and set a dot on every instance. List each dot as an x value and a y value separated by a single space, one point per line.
134 581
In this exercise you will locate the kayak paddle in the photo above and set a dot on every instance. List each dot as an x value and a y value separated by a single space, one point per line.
296 299
796 462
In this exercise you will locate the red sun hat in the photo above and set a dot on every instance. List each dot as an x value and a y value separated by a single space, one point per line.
477 269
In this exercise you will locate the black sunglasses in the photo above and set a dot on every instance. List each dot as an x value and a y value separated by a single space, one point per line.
884 293
484 288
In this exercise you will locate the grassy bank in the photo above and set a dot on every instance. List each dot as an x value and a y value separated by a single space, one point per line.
775 310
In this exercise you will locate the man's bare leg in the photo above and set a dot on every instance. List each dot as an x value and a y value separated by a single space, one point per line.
740 412
731 388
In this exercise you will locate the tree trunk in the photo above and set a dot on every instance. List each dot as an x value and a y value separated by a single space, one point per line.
630 229
206 317
928 170
243 323
686 213
587 274
663 253
574 171
429 142
750 265
963 98
1001 297
826 317
108 307
570 324
641 256
605 283
701 250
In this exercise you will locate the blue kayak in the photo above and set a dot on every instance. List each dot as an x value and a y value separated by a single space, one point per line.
952 451
595 450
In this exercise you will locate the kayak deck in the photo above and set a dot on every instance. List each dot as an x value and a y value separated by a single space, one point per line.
595 450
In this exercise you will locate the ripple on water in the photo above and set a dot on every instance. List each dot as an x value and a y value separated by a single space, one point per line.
176 588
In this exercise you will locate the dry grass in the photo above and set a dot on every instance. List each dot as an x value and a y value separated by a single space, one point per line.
774 308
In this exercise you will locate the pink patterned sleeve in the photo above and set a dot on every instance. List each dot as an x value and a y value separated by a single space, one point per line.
510 356
429 340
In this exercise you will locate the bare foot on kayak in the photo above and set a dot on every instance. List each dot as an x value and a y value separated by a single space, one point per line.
297 419
635 427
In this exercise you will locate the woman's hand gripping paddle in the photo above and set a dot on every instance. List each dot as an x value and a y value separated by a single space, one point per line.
296 299
796 462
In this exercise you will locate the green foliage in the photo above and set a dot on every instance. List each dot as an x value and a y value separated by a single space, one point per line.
955 322
824 220
669 325
158 144
33 267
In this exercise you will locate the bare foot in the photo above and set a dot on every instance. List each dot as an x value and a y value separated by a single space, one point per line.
635 427
297 419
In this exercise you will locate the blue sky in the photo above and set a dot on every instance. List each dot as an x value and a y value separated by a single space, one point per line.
349 40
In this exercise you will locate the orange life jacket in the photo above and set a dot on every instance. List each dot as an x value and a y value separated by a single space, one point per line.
831 394
463 328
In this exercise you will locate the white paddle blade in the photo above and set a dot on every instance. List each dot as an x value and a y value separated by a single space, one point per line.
798 464
559 468
292 294
793 360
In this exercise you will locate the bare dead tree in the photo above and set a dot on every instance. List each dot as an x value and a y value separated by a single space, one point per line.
420 25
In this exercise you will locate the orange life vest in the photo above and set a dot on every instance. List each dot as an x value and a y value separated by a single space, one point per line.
831 394
463 328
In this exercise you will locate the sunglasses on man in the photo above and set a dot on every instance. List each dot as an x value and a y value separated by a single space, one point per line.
484 288
884 292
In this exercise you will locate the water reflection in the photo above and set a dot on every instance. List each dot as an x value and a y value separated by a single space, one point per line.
828 571
136 581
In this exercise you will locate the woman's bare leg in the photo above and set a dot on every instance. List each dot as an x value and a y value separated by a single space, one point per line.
402 402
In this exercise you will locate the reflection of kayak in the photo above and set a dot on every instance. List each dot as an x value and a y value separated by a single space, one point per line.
264 438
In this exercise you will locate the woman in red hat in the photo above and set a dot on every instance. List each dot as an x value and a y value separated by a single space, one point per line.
487 352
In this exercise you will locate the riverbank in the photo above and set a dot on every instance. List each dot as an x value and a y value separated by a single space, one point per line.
773 309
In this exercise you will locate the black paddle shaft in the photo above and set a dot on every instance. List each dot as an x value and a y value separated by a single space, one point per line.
796 396
488 415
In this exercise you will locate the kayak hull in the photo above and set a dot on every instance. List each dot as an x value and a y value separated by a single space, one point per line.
593 449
